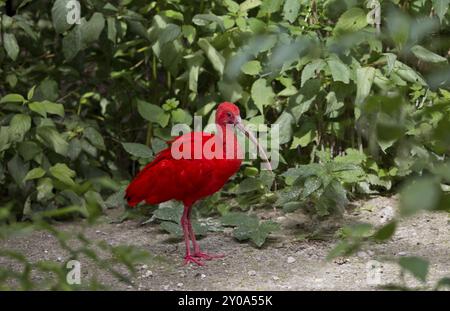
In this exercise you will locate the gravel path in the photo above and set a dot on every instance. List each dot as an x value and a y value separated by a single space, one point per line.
286 262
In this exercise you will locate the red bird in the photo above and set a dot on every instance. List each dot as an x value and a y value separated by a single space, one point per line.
195 165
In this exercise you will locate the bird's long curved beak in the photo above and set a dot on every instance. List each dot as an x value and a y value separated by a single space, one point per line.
253 139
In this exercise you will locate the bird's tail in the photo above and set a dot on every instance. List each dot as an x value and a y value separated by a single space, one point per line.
144 186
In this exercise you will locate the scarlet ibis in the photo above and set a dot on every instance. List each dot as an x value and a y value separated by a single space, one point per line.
209 161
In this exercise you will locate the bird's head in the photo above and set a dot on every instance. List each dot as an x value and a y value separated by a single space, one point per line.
228 114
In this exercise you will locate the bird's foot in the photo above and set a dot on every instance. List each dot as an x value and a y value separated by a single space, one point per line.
191 258
208 256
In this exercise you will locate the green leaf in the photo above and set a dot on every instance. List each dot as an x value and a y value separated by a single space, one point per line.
152 113
205 19
427 56
334 197
290 10
441 8
91 30
169 211
138 150
20 124
45 107
408 74
46 91
112 29
35 173
306 134
251 68
232 6
251 171
249 185
262 94
181 116
45 189
339 70
419 194
60 14
12 98
343 248
194 61
311 70
63 173
216 59
417 266
285 122
364 80
52 138
351 21
386 231
312 184
29 149
169 33
172 228
443 282
249 228
189 33
94 137
230 90
247 5
4 139
71 43
10 45
31 92
18 169
269 7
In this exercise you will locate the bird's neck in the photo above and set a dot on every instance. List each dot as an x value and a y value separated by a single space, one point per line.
226 136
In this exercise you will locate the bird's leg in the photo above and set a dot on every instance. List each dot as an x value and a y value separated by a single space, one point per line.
197 252
185 223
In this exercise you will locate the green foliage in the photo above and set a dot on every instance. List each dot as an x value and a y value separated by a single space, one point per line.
84 106
249 227
169 214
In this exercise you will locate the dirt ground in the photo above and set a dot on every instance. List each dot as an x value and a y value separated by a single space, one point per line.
287 261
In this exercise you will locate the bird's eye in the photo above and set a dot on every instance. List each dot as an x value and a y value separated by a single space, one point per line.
229 114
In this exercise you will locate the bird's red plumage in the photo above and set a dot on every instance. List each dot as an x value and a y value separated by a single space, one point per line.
211 161
186 180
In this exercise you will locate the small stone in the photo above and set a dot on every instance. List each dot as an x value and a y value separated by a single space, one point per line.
251 273
341 260
59 259
45 251
281 218
148 273
279 245
202 276
180 284
290 259
362 254
144 267
166 287
275 278
401 253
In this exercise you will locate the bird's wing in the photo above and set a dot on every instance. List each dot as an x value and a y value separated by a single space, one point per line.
167 178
